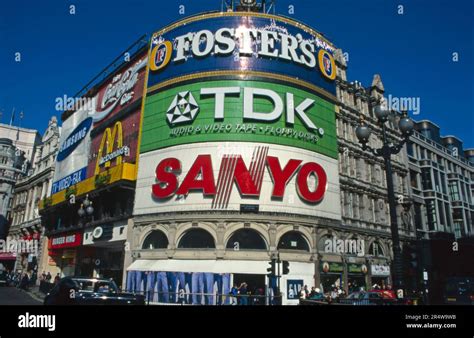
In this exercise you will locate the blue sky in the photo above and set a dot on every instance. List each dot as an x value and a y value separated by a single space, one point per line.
413 52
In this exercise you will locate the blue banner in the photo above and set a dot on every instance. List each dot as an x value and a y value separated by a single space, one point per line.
271 45
69 180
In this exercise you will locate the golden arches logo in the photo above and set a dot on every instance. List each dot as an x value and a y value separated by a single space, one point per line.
108 139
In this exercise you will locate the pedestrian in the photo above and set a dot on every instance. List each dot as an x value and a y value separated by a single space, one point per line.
57 279
313 292
48 277
24 282
306 291
243 294
234 292
43 276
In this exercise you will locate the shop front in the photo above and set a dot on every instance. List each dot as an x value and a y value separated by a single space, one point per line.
62 251
331 276
356 277
103 250
380 275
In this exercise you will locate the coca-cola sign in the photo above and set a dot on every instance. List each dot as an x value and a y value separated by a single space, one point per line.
120 91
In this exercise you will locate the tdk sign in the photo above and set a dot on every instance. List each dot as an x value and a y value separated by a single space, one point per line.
74 139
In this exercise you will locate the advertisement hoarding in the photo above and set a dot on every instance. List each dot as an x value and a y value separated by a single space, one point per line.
225 175
238 42
249 111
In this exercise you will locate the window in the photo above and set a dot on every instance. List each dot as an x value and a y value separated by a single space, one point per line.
414 179
375 249
447 212
155 240
441 213
426 179
293 240
246 239
196 239
454 190
410 149
431 214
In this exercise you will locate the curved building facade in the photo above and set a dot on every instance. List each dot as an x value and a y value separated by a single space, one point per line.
238 159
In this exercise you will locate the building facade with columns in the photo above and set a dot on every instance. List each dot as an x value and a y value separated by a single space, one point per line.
29 190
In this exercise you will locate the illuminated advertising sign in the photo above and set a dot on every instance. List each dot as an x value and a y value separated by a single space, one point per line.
121 90
73 155
241 42
117 118
252 111
67 240
222 176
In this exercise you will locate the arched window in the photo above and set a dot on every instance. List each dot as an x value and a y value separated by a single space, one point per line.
245 239
155 240
196 239
293 240
376 250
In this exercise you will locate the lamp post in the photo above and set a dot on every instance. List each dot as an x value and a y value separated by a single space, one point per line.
86 208
386 151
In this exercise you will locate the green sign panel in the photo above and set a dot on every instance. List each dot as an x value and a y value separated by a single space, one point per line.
243 111
332 267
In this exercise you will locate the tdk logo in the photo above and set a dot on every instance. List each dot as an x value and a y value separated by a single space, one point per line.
28 321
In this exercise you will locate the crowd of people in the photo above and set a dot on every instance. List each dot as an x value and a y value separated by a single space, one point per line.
24 280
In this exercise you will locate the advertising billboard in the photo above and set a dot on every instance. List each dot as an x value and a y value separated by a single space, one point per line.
227 175
231 110
103 134
73 155
220 44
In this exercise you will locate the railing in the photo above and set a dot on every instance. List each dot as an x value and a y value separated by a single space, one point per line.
189 298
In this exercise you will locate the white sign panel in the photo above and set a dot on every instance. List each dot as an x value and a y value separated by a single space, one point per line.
237 176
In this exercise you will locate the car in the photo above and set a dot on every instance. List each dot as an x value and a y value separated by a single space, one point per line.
4 279
90 291
459 291
367 298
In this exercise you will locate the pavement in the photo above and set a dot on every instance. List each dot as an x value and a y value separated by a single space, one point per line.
10 295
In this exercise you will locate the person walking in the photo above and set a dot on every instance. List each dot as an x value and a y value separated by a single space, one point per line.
234 292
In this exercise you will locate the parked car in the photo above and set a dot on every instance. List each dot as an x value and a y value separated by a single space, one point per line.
459 291
4 279
367 298
90 291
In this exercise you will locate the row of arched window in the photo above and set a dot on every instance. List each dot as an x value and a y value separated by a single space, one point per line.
242 239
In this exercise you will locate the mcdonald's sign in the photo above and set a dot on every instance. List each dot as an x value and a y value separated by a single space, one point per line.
109 139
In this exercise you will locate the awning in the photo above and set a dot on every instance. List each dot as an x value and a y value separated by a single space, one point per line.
7 256
214 266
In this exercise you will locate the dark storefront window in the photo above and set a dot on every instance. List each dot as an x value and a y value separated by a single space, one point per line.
246 239
155 240
293 240
197 239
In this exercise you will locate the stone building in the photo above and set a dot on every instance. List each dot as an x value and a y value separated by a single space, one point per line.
29 190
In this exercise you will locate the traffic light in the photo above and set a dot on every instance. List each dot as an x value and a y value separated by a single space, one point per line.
272 269
286 267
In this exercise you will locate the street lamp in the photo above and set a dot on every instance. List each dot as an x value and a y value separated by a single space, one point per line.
363 132
86 208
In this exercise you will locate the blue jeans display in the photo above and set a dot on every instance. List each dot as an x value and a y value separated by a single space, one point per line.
180 287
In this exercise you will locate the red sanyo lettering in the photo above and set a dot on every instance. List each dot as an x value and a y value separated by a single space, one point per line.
200 177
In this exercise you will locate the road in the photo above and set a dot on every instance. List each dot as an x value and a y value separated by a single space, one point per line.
14 296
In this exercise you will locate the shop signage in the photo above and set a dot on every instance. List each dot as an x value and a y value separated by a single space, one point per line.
248 179
380 270
357 268
107 143
332 267
65 241
294 287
